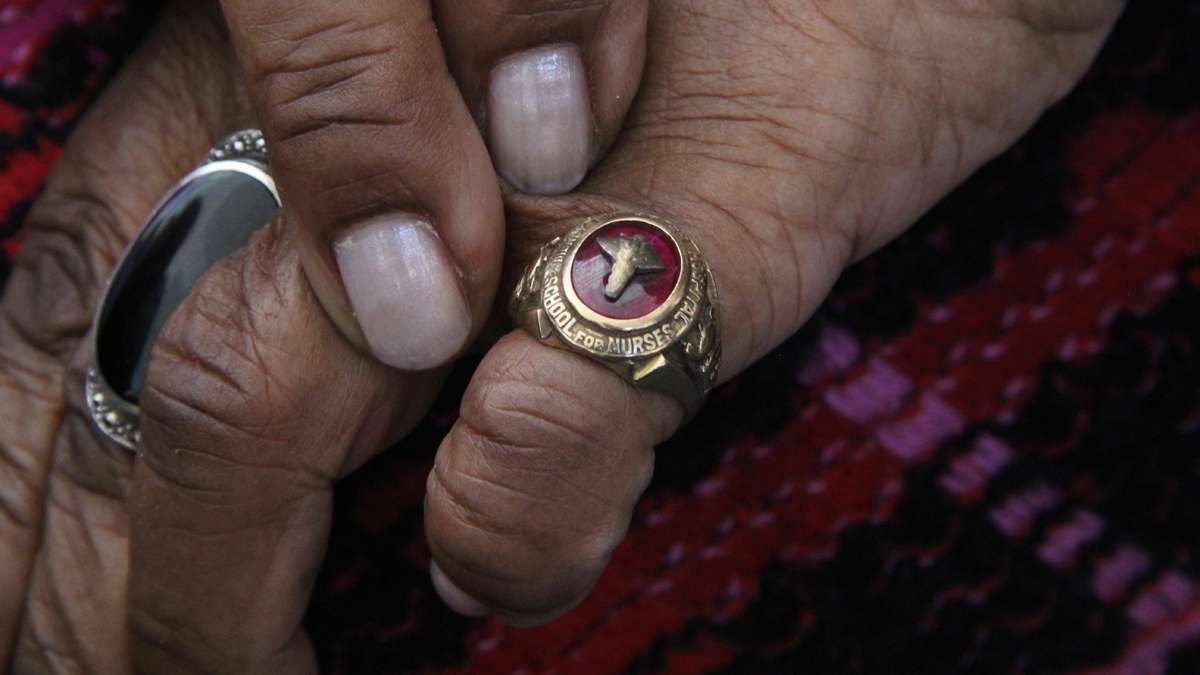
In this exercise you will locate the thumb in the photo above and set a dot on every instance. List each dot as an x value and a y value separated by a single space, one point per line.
535 485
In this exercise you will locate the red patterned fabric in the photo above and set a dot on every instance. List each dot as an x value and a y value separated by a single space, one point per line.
981 456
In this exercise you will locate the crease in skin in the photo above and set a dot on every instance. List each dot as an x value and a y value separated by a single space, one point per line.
167 408
228 389
538 477
466 514
510 389
95 505
305 48
62 603
41 651
31 378
549 9
331 86
21 497
19 381
513 415
55 267
604 530
97 229
550 535
472 569
313 78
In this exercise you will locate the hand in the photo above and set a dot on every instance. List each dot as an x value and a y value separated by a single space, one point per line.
791 138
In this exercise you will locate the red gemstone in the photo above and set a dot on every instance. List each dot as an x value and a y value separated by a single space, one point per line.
647 289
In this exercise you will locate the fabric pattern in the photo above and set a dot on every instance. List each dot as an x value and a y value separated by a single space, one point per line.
981 456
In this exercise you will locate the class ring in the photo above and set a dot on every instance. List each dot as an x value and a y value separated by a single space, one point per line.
631 292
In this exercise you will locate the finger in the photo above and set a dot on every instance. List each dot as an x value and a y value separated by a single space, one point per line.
386 178
533 487
550 80
62 489
231 493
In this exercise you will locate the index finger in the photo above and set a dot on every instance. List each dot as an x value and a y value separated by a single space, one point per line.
392 196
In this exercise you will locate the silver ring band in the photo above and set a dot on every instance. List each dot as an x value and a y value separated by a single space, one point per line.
208 214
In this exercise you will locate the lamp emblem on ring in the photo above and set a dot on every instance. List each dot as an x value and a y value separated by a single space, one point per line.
630 255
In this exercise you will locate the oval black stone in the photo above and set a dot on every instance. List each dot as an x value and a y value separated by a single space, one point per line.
211 213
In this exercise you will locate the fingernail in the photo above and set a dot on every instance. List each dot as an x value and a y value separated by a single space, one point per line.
540 119
405 291
454 597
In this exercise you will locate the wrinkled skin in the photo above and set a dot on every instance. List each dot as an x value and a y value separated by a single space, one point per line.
792 136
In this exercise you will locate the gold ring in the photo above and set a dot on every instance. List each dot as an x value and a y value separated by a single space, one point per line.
633 293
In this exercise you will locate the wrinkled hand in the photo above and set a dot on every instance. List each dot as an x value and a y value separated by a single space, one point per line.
790 137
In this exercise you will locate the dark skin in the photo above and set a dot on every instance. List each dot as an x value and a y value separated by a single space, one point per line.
792 137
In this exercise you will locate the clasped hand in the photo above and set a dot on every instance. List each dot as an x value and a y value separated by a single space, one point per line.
425 150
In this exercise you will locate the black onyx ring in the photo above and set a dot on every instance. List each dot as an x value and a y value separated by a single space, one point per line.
207 215
633 293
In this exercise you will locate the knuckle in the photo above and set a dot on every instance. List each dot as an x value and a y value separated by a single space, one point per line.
344 93
542 17
516 507
512 414
74 238
207 372
321 74
225 404
46 310
471 520
534 487
525 510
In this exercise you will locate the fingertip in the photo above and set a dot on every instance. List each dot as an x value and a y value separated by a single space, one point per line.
463 603
454 597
